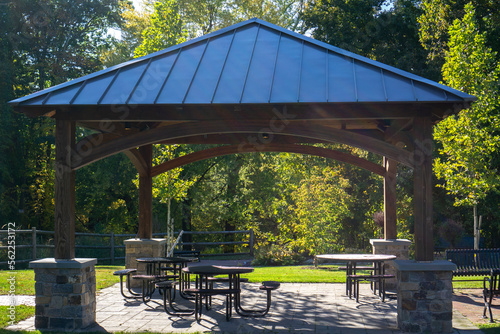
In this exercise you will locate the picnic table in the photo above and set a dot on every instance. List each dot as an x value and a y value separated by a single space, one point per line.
377 277
205 289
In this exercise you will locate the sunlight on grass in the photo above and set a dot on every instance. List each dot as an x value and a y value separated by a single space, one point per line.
25 279
21 312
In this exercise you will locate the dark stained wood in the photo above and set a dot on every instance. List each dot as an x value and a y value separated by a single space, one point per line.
359 110
139 162
390 208
234 149
422 196
64 197
263 128
146 195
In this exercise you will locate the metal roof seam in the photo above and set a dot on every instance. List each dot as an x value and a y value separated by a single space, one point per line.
109 86
46 98
414 91
167 76
223 66
138 81
274 69
327 76
383 84
355 81
250 63
445 95
78 92
300 71
196 71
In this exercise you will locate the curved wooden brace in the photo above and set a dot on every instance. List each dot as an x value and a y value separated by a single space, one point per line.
138 160
263 128
290 148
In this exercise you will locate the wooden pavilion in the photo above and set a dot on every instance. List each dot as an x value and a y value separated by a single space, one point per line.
253 87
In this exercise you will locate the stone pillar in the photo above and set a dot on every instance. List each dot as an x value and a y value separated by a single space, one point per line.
398 247
137 248
425 296
65 293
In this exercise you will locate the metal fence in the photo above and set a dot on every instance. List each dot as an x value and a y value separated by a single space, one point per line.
109 248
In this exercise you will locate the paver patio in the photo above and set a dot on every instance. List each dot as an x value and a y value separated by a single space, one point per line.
297 308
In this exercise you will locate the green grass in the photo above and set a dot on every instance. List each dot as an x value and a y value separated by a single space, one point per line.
20 312
463 283
489 328
25 279
297 274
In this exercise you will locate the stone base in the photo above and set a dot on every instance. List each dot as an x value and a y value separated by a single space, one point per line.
137 248
425 296
65 293
398 247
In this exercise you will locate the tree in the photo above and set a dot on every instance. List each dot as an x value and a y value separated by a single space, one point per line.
388 34
43 43
437 17
470 141
166 28
321 205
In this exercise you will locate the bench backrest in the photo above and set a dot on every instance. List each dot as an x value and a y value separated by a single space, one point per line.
474 259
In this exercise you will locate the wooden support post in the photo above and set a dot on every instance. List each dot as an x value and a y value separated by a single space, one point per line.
33 243
112 249
390 200
146 195
422 192
64 196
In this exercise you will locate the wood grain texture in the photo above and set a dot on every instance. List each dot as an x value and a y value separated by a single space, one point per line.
64 196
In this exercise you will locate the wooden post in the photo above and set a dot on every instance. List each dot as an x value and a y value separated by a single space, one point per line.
390 207
422 193
112 250
64 197
251 241
146 195
33 243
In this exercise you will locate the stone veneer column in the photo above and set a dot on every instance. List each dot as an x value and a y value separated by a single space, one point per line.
65 293
398 247
137 248
425 296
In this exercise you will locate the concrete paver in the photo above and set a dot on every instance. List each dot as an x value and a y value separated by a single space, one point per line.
298 308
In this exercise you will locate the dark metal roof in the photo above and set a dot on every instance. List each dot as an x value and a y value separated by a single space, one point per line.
250 62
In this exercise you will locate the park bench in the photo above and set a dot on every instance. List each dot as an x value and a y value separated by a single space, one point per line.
479 262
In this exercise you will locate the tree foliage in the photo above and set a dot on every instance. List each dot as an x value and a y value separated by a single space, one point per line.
470 141
166 28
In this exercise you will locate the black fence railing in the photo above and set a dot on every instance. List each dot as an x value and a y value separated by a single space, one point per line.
109 248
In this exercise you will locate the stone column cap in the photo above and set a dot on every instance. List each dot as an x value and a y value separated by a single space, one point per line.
153 241
403 242
52 263
412 265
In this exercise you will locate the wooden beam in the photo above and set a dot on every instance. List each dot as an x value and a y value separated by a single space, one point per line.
64 197
263 128
146 195
422 193
291 148
390 199
138 160
211 112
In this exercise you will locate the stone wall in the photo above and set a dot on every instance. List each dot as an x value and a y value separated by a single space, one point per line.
137 248
425 296
398 247
65 293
